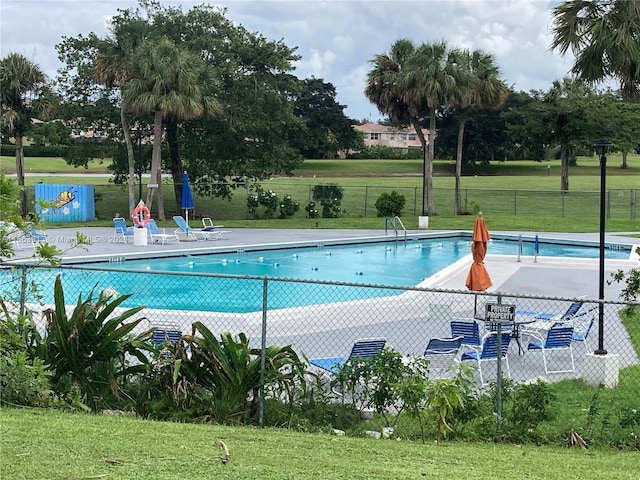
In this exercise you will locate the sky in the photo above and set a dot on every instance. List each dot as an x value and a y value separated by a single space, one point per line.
335 38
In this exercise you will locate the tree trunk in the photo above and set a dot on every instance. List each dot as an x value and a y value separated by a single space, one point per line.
156 166
429 168
130 160
175 162
624 159
461 125
24 210
425 153
565 154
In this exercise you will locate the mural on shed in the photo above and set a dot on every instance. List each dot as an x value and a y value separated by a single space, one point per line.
65 203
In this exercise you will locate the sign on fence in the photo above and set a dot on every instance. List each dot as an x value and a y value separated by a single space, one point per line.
500 312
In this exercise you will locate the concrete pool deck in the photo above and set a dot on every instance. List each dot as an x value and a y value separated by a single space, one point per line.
405 320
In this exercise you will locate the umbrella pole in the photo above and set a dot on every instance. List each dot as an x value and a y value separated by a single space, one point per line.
475 305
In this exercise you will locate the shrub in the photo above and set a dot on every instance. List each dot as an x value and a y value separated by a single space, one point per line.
330 197
288 207
23 380
265 204
390 204
312 211
220 379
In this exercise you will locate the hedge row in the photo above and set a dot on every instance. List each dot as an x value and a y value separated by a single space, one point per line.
36 150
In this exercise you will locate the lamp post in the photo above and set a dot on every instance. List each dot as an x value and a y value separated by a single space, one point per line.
603 144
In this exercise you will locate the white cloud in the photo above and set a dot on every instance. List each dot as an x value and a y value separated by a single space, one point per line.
336 39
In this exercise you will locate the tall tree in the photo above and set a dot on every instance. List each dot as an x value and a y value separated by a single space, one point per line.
328 128
112 67
410 84
604 36
570 111
25 95
485 90
168 80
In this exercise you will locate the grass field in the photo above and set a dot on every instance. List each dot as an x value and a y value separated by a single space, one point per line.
521 195
39 444
585 166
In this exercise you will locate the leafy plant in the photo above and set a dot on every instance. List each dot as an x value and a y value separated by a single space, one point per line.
312 211
265 198
531 405
222 379
288 207
23 380
330 197
631 280
390 204
377 382
437 400
88 349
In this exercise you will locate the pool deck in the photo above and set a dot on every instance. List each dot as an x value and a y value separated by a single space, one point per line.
557 277
318 330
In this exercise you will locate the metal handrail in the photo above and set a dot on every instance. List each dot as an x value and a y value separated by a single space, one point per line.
392 221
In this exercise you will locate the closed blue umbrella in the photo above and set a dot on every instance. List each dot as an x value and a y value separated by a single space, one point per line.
187 197
536 248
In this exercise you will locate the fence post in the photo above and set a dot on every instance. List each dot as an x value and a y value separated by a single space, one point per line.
366 194
23 289
499 374
263 349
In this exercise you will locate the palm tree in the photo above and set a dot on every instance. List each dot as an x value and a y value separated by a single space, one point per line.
24 96
604 36
112 67
485 90
168 81
410 84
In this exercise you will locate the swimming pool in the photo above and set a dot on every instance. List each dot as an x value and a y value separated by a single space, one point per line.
181 283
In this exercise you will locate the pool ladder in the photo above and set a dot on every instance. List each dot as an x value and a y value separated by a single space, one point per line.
392 221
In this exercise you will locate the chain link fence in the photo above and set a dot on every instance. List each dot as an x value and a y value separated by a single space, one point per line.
325 319
359 201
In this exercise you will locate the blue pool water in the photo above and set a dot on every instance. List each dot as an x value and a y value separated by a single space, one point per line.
157 282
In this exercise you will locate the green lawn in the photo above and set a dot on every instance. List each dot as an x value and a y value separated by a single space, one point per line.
521 195
40 444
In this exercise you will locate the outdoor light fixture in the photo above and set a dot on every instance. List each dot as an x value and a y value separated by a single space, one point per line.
602 144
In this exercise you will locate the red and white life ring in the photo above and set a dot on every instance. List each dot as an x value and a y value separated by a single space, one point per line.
141 215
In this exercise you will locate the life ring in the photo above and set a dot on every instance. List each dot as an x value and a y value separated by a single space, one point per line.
141 215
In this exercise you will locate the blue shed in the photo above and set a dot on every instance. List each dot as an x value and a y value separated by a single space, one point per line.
65 203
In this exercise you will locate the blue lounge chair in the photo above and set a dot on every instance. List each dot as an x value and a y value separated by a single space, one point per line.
208 226
35 237
165 338
582 325
162 336
489 352
184 230
363 348
558 337
469 331
571 311
441 352
159 236
120 230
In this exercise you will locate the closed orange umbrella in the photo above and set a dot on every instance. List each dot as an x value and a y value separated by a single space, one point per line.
478 279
